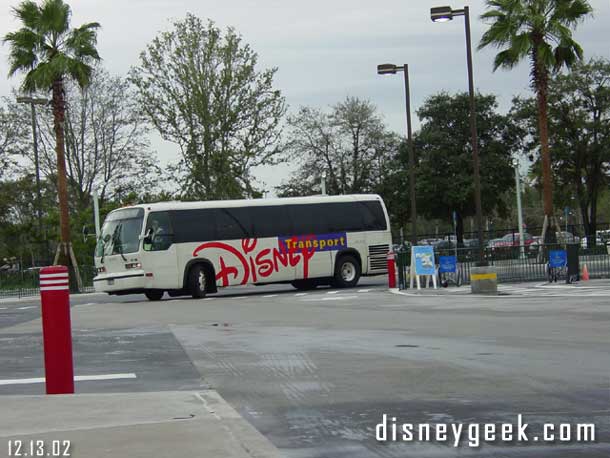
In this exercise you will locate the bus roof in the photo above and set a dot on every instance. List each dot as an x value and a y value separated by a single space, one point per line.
179 205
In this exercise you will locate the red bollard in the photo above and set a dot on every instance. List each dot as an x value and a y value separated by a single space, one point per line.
56 329
391 270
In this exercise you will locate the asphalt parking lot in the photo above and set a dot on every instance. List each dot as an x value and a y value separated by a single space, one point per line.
314 372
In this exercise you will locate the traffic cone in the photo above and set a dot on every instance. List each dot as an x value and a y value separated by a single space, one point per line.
585 273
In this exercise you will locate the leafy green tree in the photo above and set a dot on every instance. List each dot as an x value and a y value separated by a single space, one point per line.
579 127
107 146
14 139
444 157
48 51
201 89
20 235
541 31
350 144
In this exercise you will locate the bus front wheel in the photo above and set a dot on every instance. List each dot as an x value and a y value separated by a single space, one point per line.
198 281
154 295
347 272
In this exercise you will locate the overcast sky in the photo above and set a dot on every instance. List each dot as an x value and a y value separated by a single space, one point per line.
324 50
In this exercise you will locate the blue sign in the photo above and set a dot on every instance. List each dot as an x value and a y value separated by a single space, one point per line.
447 264
424 259
558 258
312 243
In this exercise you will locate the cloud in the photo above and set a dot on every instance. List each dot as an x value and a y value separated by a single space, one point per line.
324 50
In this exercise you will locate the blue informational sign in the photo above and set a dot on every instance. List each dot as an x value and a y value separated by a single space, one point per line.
558 258
447 264
424 260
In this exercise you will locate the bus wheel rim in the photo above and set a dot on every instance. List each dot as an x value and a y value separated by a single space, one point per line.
348 272
201 281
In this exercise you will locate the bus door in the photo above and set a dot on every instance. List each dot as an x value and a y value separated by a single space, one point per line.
159 255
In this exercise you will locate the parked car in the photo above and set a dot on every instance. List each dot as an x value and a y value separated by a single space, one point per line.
584 242
510 240
429 241
567 237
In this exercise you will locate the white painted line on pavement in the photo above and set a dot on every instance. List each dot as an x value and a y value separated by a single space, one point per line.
3 308
364 290
25 308
332 292
271 295
300 294
334 298
209 299
77 378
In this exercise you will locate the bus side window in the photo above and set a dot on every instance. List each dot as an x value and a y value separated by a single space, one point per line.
159 235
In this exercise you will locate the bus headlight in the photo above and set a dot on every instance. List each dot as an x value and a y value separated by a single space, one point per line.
133 265
101 270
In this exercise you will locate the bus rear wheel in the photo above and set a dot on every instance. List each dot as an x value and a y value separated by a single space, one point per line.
154 295
347 272
198 281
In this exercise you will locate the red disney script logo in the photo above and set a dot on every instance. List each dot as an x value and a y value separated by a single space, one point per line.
255 265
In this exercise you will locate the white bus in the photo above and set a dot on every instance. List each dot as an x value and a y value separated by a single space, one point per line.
196 247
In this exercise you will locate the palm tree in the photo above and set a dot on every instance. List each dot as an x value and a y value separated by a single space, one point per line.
48 51
540 30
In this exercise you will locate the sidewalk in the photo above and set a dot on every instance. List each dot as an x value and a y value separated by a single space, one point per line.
597 287
135 425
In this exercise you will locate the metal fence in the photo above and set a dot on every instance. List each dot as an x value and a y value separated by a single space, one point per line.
513 264
573 233
25 283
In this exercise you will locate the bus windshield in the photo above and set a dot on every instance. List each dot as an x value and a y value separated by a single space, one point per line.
120 232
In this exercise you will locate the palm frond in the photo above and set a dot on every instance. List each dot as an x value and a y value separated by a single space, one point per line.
80 72
37 79
21 60
567 53
506 59
55 16
521 44
24 39
81 41
507 20
571 12
28 13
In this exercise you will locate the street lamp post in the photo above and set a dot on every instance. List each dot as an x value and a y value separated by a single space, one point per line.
33 102
519 209
444 14
391 69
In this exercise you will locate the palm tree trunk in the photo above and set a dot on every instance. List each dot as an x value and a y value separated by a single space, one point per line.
541 78
62 187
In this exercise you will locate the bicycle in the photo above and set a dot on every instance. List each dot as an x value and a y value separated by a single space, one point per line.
448 271
557 267
454 277
555 273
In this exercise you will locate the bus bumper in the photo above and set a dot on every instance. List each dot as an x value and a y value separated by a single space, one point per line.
123 282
